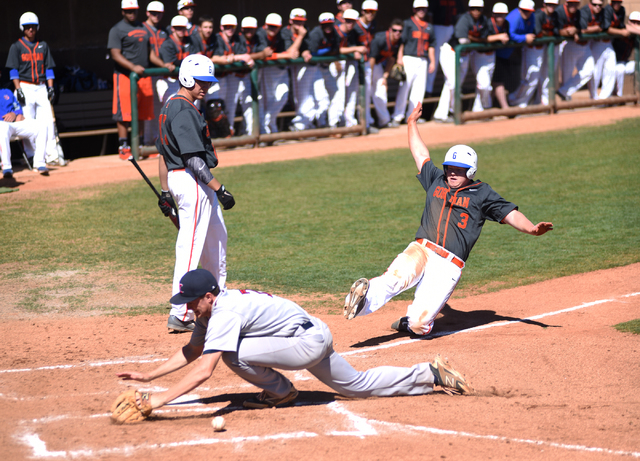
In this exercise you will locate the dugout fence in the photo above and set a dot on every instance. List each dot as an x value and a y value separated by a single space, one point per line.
256 138
550 43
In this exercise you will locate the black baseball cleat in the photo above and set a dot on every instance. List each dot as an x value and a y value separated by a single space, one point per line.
451 381
402 324
356 299
563 96
262 400
176 325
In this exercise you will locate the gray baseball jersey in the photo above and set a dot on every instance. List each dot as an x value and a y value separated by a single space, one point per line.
31 60
453 218
133 41
183 130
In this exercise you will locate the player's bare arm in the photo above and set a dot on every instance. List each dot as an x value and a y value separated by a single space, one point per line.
520 222
156 61
416 145
116 55
400 54
181 358
432 60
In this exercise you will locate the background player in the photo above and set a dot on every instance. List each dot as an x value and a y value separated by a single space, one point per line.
172 52
522 29
185 176
31 69
455 211
128 45
416 48
574 53
444 14
255 332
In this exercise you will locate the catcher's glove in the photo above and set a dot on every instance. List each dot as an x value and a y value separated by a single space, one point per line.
131 407
398 73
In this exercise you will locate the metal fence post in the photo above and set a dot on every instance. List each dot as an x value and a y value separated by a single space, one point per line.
255 105
457 97
362 96
135 129
551 68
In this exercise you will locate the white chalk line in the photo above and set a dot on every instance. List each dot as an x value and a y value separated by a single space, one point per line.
148 359
485 327
362 427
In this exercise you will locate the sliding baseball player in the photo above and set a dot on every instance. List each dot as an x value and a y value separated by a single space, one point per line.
456 208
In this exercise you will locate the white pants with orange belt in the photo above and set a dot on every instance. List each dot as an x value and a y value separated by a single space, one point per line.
434 277
202 237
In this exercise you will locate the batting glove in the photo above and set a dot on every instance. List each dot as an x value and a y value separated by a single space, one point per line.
20 97
50 93
225 198
166 202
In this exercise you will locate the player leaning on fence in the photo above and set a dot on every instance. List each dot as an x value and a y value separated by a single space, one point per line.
456 208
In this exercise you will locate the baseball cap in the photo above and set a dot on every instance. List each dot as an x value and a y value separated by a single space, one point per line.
500 8
228 20
298 14
340 1
596 2
155 6
476 3
420 4
326 18
273 19
369 5
129 4
551 2
179 21
634 16
350 14
527 5
194 284
185 3
249 23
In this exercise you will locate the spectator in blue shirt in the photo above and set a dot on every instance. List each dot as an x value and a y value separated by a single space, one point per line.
522 29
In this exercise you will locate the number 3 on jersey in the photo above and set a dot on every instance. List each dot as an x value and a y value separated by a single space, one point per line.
464 217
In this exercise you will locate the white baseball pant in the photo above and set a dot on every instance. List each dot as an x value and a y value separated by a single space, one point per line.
233 90
604 58
622 69
312 350
442 34
329 109
303 96
530 75
412 88
575 55
379 95
202 237
435 277
352 90
38 107
33 133
274 83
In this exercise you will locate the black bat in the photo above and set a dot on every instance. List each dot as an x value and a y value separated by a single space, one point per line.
174 213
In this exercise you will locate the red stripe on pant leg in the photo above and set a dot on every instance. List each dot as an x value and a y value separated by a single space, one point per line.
193 237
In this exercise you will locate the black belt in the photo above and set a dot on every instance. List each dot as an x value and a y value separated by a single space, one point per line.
307 325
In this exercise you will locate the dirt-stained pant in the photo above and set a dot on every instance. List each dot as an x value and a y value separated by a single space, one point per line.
435 279
312 349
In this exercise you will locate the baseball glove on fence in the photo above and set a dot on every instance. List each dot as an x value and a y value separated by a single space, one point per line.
397 73
131 407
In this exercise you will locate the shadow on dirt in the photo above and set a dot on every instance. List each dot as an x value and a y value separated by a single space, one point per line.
450 321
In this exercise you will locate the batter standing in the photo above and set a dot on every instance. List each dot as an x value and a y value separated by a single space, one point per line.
255 332
455 210
185 177
31 69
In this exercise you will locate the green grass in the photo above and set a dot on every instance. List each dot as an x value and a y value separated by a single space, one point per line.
632 326
314 226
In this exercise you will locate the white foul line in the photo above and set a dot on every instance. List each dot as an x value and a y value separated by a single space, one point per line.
363 427
491 325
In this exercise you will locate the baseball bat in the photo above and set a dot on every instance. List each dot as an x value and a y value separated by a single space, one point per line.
174 213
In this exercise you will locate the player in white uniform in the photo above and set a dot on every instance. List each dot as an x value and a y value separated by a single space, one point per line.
185 176
255 332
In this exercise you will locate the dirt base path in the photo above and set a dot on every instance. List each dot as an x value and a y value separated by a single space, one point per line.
108 169
554 380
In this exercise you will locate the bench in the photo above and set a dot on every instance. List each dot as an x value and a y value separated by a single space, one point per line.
85 114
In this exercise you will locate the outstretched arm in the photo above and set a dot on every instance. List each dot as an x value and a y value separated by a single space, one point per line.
416 145
181 358
520 222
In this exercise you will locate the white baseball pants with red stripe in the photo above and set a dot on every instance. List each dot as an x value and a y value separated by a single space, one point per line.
202 237
434 277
